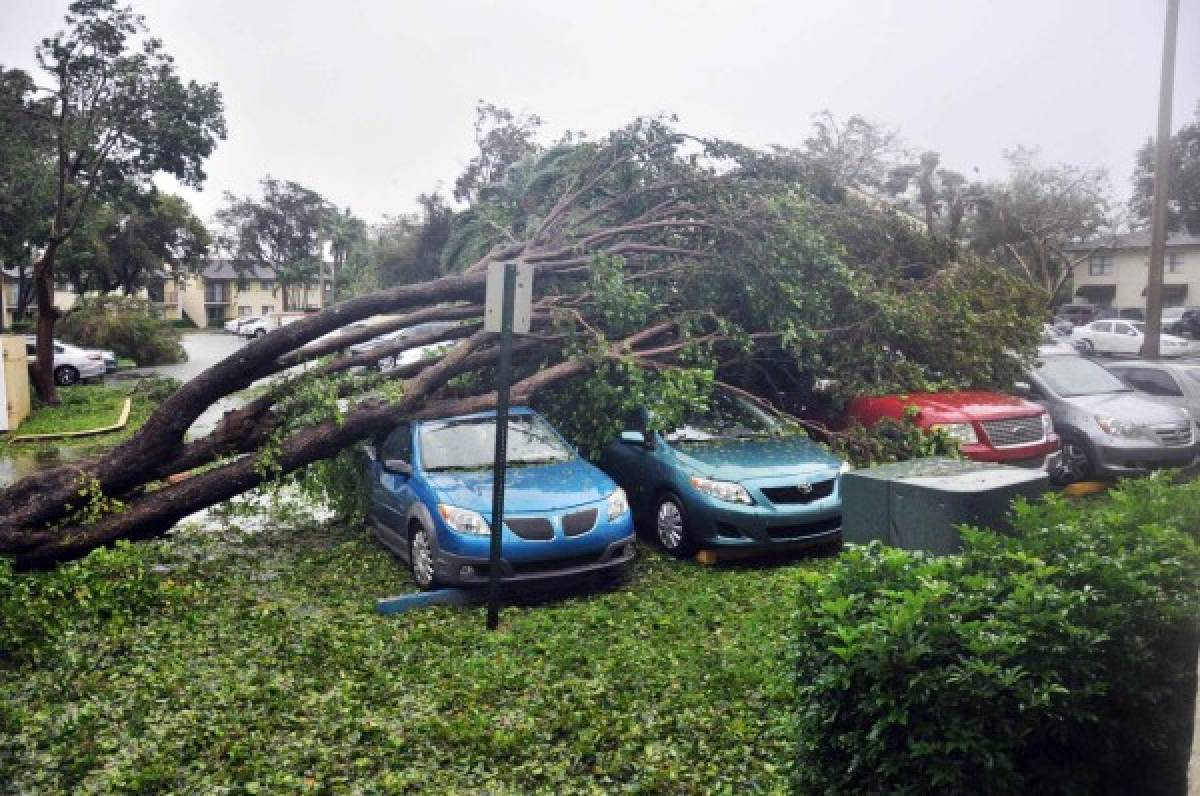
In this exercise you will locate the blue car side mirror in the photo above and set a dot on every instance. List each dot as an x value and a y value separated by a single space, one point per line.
397 467
633 437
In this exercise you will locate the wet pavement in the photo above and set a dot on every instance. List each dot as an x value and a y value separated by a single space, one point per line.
204 349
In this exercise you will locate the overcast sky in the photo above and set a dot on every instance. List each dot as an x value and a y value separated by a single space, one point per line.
371 102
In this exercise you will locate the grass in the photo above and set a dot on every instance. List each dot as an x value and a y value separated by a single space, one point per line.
83 407
268 671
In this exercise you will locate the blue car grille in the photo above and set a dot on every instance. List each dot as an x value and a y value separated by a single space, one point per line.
579 522
526 567
536 529
798 494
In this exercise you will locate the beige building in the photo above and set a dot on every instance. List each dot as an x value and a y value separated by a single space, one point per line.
219 292
1114 274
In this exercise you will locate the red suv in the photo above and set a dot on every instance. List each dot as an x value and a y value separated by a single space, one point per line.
989 427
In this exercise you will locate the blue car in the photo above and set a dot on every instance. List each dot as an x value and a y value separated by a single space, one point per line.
731 477
431 501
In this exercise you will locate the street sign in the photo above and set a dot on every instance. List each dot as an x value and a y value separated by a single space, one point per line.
522 298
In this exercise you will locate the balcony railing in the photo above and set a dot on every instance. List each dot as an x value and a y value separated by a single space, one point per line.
213 296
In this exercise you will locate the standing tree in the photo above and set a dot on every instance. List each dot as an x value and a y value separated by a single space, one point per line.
503 138
26 182
1036 220
347 235
283 232
855 154
1183 183
138 237
115 112
936 191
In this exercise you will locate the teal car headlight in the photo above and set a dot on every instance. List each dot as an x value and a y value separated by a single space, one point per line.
618 504
722 490
464 520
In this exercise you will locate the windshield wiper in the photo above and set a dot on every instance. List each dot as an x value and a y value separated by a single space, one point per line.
526 462
452 468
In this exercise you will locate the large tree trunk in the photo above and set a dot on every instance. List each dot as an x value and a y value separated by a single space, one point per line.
43 283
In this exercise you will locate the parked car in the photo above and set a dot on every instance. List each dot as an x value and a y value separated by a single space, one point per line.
989 427
266 323
1062 325
1053 342
431 502
234 325
1182 321
728 477
1078 313
109 358
1171 383
1123 337
412 354
71 363
1120 313
1107 429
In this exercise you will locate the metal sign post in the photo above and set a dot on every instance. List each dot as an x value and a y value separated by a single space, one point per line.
511 287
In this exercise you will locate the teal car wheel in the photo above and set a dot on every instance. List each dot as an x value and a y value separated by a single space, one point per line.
420 557
671 527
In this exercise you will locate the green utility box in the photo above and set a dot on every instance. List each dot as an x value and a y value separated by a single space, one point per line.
919 504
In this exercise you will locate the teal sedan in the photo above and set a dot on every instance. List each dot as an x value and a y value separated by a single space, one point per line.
730 477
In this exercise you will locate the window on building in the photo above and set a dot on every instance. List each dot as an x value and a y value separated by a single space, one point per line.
216 293
155 292
268 285
215 315
1174 263
1100 265
267 309
244 311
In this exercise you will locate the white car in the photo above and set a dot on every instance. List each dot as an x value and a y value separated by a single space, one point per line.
269 323
1123 337
235 324
71 363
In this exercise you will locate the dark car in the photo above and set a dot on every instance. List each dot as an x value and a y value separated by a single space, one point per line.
730 476
1182 321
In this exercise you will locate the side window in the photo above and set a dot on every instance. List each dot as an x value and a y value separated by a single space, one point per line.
30 349
398 444
1103 327
1152 381
1122 328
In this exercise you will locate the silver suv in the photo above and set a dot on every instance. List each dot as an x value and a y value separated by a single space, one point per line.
1107 429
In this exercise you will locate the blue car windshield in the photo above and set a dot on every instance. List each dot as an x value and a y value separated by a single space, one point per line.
470 444
727 417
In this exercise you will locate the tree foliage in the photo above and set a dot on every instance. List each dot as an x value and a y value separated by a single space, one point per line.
1183 180
113 112
284 232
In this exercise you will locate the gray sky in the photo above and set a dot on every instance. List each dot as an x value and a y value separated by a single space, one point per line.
371 102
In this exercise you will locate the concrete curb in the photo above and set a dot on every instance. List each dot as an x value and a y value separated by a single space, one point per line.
120 424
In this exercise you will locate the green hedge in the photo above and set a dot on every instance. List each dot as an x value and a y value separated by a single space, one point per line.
1060 659
129 326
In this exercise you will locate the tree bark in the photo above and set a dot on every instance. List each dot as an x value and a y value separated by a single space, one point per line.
43 283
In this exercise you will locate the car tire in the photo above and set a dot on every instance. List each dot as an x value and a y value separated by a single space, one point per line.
66 375
671 527
421 558
1074 462
1087 347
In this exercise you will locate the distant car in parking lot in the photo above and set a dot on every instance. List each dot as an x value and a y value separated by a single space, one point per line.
1171 383
1182 321
1053 342
1107 429
234 325
72 364
1123 337
1078 313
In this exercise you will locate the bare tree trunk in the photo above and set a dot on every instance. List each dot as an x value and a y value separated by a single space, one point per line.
43 283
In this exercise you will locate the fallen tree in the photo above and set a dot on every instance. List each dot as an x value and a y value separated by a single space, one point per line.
654 252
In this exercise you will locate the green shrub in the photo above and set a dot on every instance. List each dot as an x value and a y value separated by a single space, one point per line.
184 323
1060 659
109 585
128 326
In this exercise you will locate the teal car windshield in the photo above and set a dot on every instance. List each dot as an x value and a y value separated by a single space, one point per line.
727 417
470 444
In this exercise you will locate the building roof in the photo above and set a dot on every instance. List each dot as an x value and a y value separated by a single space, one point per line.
225 269
1134 240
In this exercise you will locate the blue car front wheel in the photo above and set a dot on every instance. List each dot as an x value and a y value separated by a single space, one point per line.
671 527
420 556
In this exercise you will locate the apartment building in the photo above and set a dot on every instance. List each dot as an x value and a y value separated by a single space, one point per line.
1114 274
217 293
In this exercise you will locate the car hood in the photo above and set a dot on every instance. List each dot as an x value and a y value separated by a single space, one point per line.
544 487
740 459
1127 406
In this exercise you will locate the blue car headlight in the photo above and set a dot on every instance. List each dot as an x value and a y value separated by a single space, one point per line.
845 468
727 491
618 504
464 520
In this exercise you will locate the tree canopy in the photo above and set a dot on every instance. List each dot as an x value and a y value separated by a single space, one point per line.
1183 180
